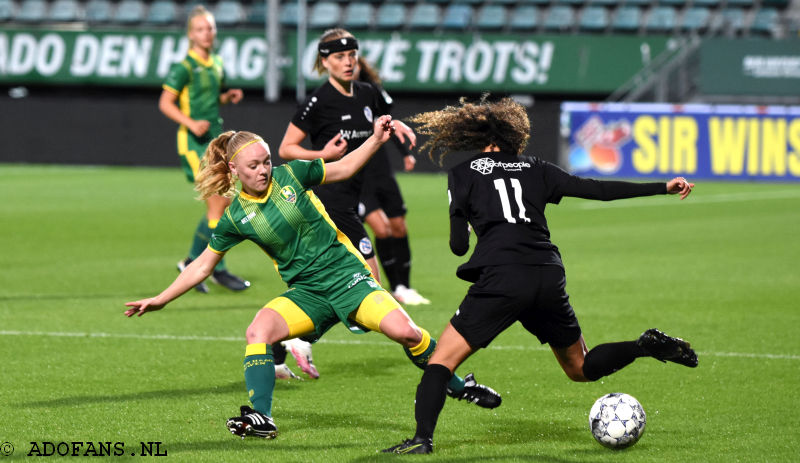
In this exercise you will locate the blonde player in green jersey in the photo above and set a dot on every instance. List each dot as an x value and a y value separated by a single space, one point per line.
191 96
329 281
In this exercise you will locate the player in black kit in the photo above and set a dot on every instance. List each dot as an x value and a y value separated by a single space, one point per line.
381 205
338 118
516 272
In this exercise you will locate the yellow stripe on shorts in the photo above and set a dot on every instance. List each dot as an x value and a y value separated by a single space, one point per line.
299 323
373 308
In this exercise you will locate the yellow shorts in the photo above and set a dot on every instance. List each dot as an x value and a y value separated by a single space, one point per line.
373 308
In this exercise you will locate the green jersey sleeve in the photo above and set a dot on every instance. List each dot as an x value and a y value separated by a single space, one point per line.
226 235
308 173
178 77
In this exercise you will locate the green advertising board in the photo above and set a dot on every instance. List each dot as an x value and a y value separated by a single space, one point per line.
425 62
750 67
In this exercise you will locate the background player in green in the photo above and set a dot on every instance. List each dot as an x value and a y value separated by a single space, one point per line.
329 281
192 93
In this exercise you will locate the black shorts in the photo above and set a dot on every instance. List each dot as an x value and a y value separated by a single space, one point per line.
381 193
534 295
348 222
380 189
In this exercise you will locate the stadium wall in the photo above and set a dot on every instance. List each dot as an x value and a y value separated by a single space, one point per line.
100 126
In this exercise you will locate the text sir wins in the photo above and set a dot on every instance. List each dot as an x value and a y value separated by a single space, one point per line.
95 449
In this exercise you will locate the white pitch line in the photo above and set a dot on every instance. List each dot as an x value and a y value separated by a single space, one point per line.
694 199
376 342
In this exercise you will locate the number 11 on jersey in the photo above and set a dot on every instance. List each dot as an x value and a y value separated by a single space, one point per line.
500 186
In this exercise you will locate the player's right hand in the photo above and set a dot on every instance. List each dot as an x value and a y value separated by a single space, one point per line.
199 128
142 306
335 148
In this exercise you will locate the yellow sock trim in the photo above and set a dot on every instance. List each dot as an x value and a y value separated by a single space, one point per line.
212 224
259 348
423 345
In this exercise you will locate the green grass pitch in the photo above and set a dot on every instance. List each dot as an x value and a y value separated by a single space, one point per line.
719 269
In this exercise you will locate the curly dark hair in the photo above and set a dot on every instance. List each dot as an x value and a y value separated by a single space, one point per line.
474 126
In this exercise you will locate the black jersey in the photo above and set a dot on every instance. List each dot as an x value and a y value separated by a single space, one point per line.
379 165
503 197
327 112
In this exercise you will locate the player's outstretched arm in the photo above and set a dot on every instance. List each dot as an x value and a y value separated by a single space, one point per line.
191 276
353 162
679 185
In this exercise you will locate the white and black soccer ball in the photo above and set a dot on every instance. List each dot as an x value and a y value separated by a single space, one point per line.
617 420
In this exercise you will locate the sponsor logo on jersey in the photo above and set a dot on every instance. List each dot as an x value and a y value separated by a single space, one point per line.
353 134
368 113
248 218
487 165
289 194
359 277
365 246
346 117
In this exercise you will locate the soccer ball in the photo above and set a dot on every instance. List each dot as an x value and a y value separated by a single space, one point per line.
617 420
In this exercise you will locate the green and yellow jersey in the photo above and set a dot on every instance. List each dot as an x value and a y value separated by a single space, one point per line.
197 83
291 225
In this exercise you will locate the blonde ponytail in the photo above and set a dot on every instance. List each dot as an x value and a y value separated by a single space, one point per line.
215 177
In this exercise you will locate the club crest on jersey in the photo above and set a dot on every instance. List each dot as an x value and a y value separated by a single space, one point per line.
365 246
368 113
289 194
487 165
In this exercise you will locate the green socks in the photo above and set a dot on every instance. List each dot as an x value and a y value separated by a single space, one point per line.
420 354
259 376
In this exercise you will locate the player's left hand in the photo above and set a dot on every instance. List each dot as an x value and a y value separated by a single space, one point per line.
234 95
403 131
679 185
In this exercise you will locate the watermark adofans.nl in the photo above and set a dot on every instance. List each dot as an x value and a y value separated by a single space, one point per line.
86 449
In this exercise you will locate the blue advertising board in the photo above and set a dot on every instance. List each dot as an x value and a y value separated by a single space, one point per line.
729 142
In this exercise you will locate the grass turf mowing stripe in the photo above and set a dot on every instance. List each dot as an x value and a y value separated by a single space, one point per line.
172 337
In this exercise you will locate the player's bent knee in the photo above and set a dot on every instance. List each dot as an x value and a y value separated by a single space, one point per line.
412 334
576 375
399 231
265 328
381 233
402 330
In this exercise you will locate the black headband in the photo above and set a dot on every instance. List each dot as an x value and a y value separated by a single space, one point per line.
337 45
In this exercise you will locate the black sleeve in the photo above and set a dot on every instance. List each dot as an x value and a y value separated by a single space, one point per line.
383 101
303 115
459 233
560 184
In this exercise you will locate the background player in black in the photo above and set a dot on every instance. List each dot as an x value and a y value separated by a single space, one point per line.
382 206
338 118
517 273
